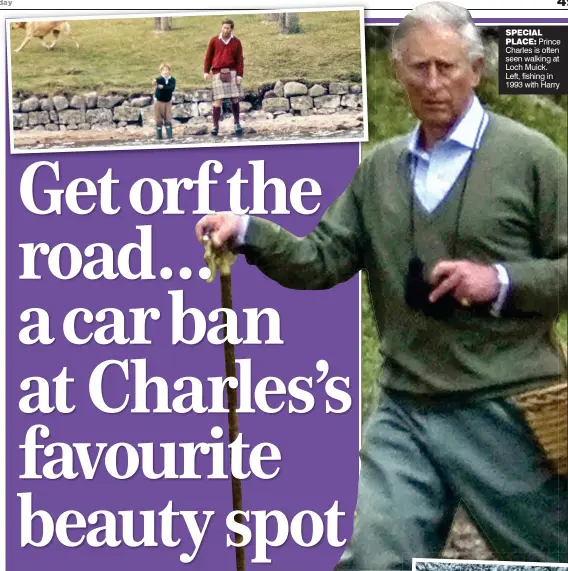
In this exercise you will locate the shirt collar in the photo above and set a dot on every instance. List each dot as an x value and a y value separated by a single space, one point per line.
464 132
223 39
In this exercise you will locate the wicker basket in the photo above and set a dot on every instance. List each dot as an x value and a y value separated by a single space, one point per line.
546 412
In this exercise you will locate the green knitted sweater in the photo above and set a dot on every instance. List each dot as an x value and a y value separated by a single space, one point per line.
513 212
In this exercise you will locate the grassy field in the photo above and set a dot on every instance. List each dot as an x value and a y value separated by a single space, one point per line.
389 115
124 54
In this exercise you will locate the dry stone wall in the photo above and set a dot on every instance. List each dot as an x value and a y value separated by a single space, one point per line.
94 111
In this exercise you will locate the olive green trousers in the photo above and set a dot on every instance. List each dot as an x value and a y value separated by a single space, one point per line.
419 462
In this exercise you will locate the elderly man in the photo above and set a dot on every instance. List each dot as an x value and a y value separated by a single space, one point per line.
461 226
224 63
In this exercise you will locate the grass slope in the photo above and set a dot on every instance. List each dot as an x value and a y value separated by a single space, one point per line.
124 54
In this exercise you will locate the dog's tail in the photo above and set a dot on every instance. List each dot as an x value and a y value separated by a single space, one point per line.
66 29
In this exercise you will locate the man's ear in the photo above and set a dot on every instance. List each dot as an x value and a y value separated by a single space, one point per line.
396 68
477 67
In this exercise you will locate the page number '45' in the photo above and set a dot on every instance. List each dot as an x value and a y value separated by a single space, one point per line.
563 3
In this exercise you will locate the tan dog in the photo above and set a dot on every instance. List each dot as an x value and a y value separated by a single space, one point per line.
41 29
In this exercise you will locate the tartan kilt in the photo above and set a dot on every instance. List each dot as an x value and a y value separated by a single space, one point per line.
226 90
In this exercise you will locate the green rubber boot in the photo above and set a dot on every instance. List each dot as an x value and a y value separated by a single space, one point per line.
158 133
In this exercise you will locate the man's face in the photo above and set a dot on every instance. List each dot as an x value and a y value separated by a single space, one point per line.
226 30
165 72
434 68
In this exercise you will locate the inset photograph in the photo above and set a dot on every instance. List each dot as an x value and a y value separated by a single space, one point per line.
450 565
187 80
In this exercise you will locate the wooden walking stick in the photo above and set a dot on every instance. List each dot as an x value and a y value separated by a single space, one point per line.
222 260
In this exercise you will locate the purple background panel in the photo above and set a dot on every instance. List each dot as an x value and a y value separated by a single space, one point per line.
319 451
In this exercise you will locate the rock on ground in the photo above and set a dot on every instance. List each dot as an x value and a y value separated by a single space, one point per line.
465 542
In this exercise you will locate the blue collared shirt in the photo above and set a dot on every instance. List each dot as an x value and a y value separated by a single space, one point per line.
435 172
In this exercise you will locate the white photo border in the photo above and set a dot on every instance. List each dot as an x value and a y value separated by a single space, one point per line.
156 146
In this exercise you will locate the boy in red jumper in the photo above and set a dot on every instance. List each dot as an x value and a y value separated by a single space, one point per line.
224 64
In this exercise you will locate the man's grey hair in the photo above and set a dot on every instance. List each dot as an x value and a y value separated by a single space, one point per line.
458 18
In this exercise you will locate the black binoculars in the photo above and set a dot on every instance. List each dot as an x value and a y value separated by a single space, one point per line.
417 289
